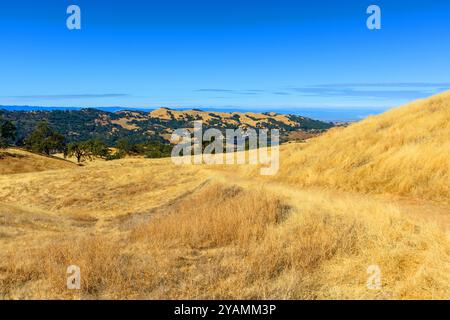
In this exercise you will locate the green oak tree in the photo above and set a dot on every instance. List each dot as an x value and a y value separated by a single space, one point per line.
7 133
44 139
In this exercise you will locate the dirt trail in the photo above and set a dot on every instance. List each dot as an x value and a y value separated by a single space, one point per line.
416 209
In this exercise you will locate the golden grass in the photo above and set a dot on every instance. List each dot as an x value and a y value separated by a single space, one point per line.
103 188
404 152
245 119
13 161
146 229
271 248
216 217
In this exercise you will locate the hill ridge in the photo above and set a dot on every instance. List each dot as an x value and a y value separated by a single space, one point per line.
367 156
141 126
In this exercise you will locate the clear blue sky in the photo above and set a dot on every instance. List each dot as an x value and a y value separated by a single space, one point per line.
275 55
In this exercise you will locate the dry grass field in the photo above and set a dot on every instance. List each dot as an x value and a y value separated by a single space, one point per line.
404 152
374 193
14 161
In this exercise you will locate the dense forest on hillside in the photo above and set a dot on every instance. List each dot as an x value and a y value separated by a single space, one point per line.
140 126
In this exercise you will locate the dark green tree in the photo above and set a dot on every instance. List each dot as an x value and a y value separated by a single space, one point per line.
44 139
7 133
87 150
124 146
98 148
80 150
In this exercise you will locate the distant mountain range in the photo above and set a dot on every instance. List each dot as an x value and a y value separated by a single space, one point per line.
139 126
324 114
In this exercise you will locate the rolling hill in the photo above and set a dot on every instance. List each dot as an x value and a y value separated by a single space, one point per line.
148 229
157 125
15 160
403 152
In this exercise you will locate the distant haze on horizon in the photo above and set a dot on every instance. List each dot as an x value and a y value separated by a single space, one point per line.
323 114
314 58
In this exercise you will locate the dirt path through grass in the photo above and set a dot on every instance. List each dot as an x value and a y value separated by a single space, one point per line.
416 209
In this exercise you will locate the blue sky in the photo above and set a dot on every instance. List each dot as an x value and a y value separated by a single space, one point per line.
254 55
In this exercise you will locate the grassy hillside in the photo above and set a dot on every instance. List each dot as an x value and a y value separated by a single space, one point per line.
19 161
147 229
405 152
143 228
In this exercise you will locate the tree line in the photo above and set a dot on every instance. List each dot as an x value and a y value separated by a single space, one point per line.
45 140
